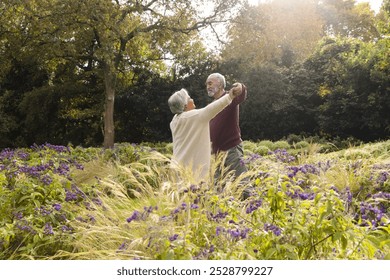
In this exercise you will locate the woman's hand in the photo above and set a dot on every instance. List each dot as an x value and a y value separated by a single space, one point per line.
236 90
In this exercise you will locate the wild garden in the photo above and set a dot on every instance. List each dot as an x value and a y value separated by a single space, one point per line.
85 145
310 201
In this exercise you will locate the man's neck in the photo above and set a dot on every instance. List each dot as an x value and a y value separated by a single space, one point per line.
219 94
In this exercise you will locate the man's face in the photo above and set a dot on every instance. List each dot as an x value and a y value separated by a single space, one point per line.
213 86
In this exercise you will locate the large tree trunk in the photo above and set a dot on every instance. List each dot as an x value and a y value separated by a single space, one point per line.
109 129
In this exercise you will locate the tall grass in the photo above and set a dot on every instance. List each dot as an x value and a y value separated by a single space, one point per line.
150 211
130 203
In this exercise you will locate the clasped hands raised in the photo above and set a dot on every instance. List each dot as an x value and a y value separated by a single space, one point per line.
236 90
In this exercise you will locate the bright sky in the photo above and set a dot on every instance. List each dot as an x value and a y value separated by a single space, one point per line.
375 4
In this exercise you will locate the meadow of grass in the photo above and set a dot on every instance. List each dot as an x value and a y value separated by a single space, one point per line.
310 201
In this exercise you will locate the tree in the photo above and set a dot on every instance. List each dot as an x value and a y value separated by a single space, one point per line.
346 18
111 38
279 32
353 88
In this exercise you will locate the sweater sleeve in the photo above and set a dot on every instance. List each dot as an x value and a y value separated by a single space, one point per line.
241 98
211 110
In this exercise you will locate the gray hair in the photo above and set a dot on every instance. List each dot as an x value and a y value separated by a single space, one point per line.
178 101
220 77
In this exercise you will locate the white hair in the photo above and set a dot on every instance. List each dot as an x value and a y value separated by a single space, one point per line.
178 101
218 76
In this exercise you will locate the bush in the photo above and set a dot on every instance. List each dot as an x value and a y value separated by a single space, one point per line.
261 150
293 138
280 145
267 143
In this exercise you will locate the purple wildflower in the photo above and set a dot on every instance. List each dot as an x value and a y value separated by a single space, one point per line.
253 206
18 215
46 180
43 211
149 209
134 217
371 214
97 201
25 226
91 218
301 195
194 188
383 195
70 196
66 229
48 230
382 178
217 217
57 206
237 234
283 156
123 246
349 195
270 227
194 206
173 237
219 230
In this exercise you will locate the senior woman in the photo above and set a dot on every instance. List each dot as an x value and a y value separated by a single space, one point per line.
191 132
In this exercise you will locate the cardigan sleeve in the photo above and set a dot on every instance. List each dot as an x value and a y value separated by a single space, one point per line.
211 110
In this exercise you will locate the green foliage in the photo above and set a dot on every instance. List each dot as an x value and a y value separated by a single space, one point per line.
62 202
281 144
299 82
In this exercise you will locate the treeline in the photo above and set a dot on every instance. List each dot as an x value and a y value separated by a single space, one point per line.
311 67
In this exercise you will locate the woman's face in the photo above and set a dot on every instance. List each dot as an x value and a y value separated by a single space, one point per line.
190 104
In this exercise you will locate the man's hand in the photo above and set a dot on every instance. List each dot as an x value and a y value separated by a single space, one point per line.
236 90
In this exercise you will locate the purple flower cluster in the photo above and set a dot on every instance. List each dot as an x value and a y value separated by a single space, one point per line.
137 216
18 215
253 206
89 218
238 234
177 210
25 226
372 214
173 237
74 194
43 211
7 154
56 148
384 195
48 230
301 195
217 217
349 196
57 206
123 246
16 162
283 156
251 158
235 234
305 169
382 178
270 227
66 228
205 253
183 207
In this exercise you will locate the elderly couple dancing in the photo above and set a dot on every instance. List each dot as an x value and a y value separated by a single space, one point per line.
193 129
